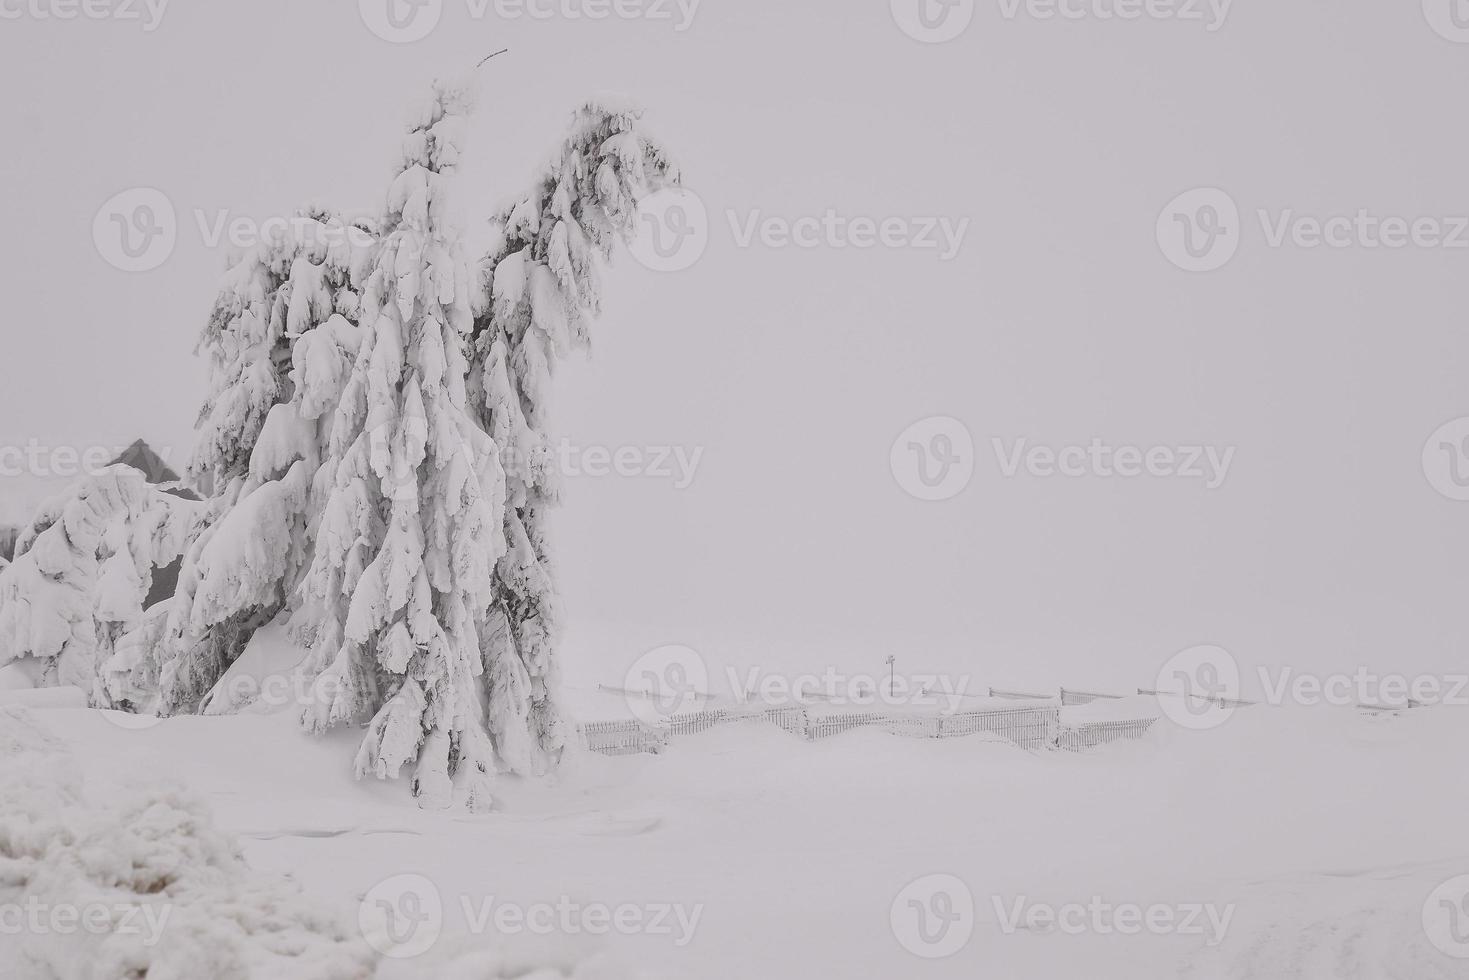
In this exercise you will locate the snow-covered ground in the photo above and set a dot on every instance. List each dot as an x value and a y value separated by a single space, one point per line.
1313 838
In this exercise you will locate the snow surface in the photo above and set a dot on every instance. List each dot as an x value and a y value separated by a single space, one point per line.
794 852
116 874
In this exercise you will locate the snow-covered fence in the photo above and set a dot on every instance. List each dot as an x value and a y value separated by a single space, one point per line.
1219 701
621 737
1027 726
695 722
630 737
1029 721
995 692
792 718
1078 738
1071 698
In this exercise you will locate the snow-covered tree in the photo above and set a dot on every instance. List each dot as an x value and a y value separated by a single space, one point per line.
540 291
376 443
280 343
81 575
411 524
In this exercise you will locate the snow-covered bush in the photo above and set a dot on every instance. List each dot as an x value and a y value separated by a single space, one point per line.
82 573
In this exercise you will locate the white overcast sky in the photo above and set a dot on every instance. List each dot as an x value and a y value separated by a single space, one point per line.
794 370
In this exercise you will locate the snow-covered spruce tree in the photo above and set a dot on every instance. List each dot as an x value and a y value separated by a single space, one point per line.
540 290
411 524
275 373
81 575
